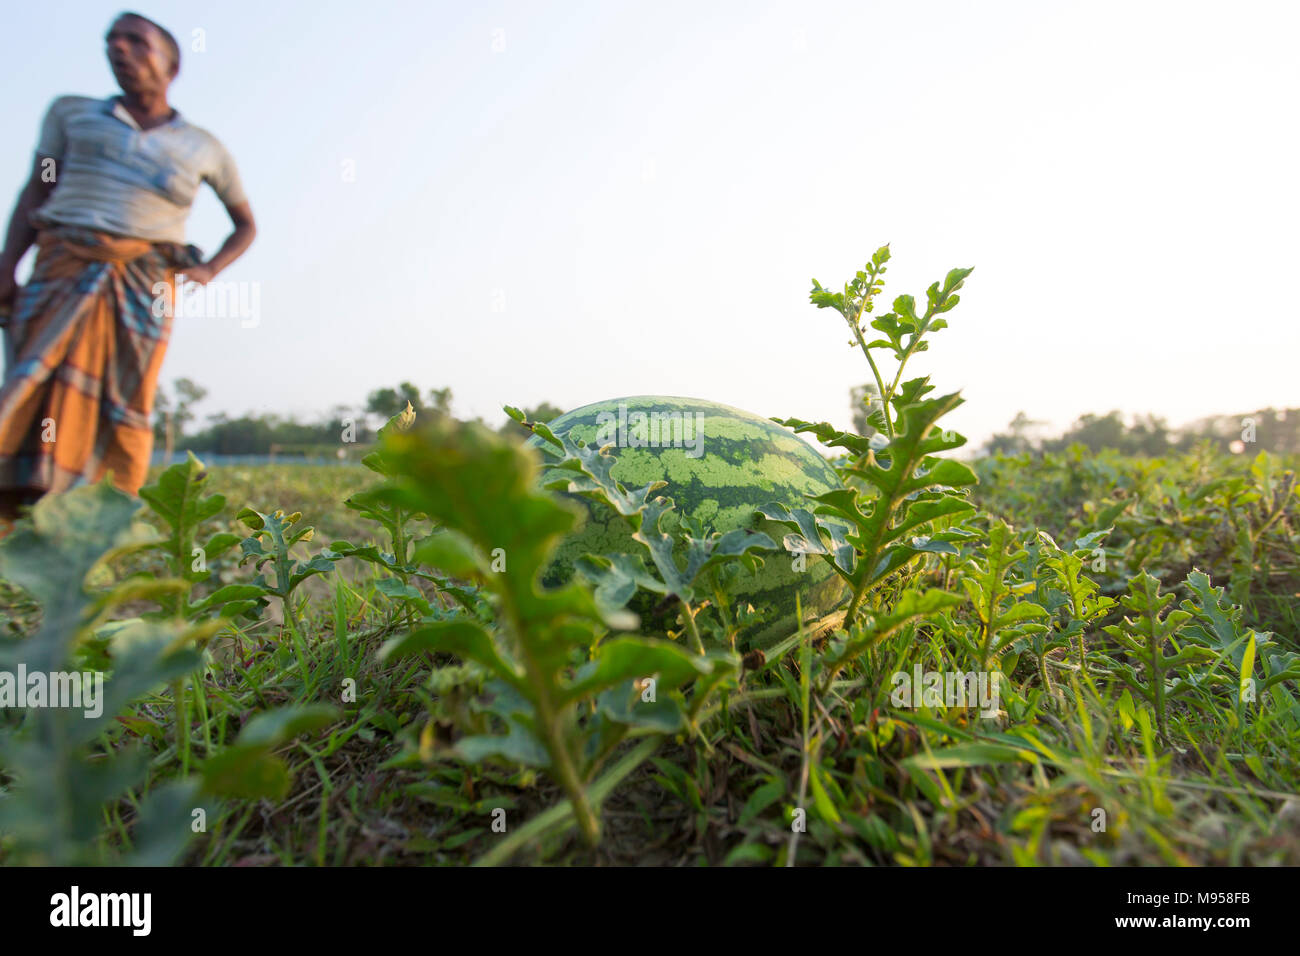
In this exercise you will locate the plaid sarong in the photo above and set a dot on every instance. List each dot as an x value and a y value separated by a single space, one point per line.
86 343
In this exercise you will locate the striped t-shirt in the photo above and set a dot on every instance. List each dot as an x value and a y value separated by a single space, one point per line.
113 176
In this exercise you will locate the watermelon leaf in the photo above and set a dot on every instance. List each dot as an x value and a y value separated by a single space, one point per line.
55 802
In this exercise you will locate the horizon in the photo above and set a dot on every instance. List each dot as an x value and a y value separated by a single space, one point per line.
1035 432
323 416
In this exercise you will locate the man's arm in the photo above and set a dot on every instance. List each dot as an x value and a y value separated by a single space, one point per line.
241 215
21 233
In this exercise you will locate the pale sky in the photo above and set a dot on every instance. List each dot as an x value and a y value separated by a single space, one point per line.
571 202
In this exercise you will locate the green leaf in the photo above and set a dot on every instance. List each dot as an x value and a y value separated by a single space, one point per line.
629 658
177 498
808 538
51 553
874 628
247 769
247 773
700 554
451 552
165 826
829 435
1247 668
273 728
972 754
617 578
517 746
763 797
466 639
825 808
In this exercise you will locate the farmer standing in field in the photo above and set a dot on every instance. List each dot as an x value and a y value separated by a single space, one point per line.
106 205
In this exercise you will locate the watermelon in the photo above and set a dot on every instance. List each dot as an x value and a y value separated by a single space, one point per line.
720 464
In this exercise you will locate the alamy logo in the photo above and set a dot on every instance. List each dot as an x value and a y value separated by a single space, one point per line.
653 429
65 689
103 909
946 689
215 300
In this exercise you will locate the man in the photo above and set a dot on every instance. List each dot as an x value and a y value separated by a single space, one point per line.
106 205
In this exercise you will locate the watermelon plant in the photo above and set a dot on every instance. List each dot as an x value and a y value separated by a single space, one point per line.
563 692
179 500
901 498
66 764
53 808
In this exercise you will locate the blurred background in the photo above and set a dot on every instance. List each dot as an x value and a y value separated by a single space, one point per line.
549 204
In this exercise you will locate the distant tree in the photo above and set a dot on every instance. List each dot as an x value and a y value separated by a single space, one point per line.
861 398
347 425
1149 435
172 415
387 402
246 435
1266 429
1017 440
544 412
266 434
1094 431
439 401
162 413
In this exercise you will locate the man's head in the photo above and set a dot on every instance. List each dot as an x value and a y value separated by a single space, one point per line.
143 55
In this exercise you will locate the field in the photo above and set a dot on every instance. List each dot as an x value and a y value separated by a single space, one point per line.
1074 658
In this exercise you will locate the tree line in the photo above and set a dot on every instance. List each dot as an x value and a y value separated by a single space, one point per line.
345 427
1273 430
1270 429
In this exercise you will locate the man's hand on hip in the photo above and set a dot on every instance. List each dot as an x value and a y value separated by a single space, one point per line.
201 273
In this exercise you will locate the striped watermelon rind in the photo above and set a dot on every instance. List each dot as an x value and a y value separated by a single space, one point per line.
746 462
